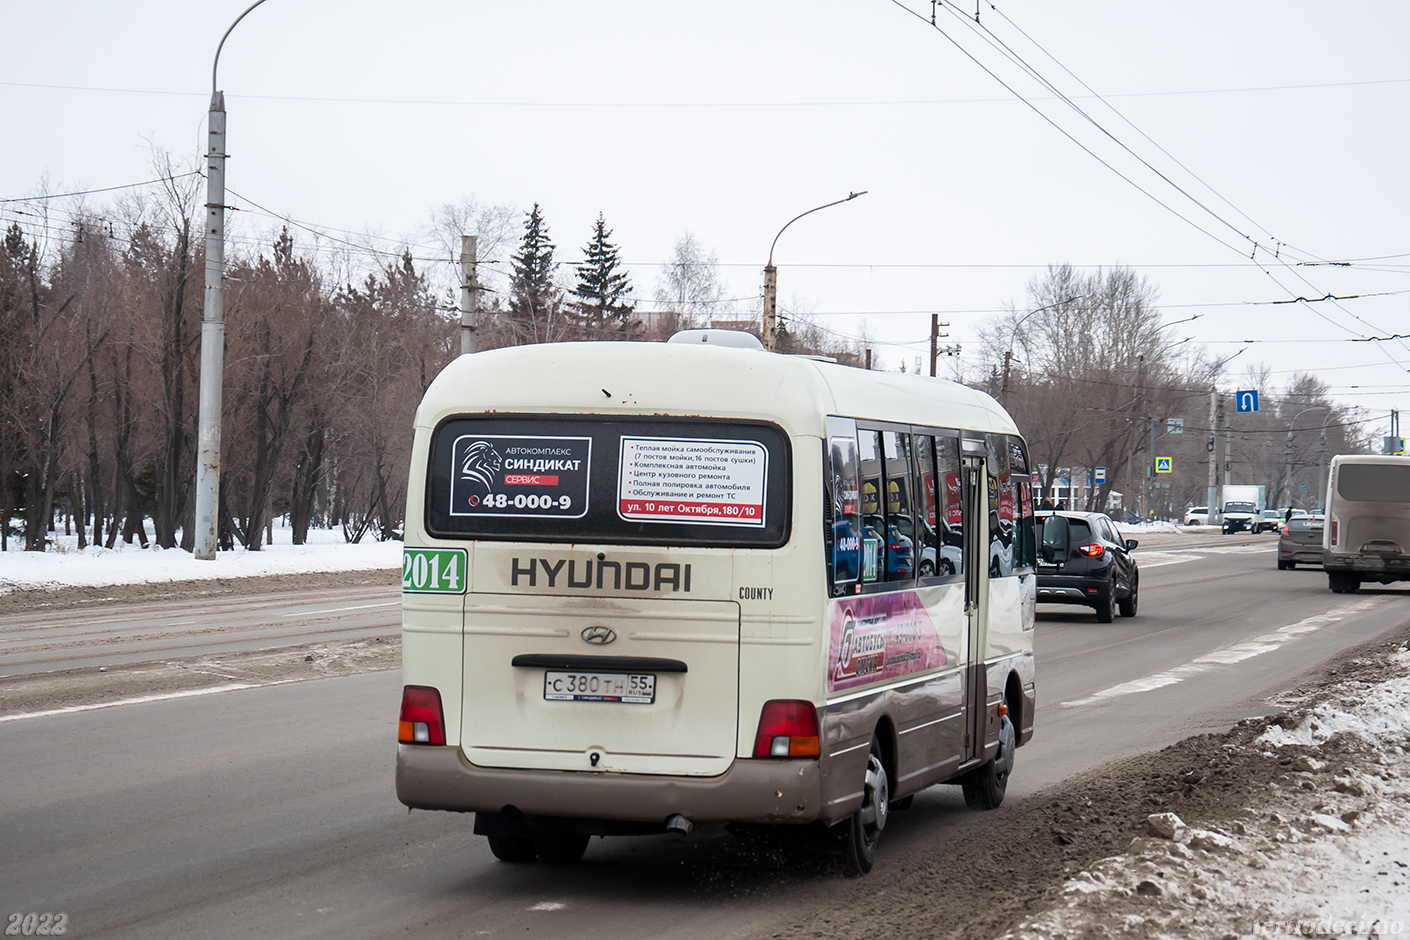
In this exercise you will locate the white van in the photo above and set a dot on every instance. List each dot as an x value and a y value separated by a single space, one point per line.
1367 532
650 586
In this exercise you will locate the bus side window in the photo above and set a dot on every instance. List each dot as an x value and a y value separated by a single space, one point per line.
950 515
873 521
1021 480
1002 508
846 514
931 562
900 526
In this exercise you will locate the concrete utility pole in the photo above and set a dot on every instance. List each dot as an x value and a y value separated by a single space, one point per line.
213 321
1213 448
212 337
771 304
770 330
469 294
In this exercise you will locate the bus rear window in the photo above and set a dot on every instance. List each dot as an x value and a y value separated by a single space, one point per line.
588 479
1374 483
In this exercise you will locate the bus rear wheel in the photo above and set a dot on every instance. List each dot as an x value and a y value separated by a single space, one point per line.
862 836
984 787
1343 582
513 848
561 849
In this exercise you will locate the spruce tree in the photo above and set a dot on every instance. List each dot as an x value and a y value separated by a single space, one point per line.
601 288
534 300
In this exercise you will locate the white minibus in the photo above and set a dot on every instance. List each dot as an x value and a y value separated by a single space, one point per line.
652 586
1366 536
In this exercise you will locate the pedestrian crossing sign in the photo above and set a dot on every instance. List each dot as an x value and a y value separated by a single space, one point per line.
1163 465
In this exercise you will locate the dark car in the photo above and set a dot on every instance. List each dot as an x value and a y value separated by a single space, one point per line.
1300 541
1082 559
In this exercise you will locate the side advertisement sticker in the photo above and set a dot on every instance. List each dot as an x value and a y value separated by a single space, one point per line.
878 637
663 479
510 475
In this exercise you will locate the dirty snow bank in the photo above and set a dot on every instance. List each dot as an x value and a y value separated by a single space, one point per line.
1325 854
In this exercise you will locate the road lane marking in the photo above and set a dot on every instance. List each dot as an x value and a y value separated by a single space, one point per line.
1160 559
1157 558
1229 655
143 699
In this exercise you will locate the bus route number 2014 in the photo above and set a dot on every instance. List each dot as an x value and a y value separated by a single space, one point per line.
433 570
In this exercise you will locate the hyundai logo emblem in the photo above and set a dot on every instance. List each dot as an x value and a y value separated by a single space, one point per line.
599 636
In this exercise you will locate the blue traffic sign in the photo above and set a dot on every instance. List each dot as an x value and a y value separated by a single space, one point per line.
1164 465
1246 400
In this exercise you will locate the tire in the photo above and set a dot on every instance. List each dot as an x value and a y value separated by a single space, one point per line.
1127 605
862 833
561 849
513 848
984 787
1343 582
947 567
1106 604
1286 565
926 569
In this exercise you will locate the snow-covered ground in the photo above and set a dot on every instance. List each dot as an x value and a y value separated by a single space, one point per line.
65 565
1324 851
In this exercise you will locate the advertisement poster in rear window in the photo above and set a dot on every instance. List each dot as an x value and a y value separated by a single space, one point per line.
530 477
693 480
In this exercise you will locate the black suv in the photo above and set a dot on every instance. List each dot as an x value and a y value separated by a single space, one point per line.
1082 559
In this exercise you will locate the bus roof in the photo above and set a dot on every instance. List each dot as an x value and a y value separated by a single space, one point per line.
1370 458
698 380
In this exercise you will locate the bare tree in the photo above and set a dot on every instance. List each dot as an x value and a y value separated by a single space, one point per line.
689 294
278 315
1078 366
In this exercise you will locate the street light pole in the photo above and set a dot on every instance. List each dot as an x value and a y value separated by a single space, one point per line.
213 320
1288 446
771 276
1013 335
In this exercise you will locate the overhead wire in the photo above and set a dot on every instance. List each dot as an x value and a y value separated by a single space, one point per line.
1017 60
895 102
1277 254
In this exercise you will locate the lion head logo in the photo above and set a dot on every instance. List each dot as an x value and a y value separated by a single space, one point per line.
479 465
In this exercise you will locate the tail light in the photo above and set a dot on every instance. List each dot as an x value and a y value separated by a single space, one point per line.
1334 532
1091 551
422 721
1285 530
787 729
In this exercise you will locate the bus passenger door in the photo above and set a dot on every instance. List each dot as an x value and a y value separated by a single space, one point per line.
976 543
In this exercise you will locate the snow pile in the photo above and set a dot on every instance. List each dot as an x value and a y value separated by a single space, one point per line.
65 565
1157 526
1326 855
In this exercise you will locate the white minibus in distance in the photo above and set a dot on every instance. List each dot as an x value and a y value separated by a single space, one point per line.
1366 536
650 586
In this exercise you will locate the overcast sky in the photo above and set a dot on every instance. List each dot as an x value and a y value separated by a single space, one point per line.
1287 121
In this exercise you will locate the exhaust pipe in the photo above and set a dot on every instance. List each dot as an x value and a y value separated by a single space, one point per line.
679 825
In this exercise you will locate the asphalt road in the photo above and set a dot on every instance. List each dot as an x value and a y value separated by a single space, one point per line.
43 641
270 812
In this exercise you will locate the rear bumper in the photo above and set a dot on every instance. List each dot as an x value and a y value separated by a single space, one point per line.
1309 555
1070 589
1371 567
758 791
